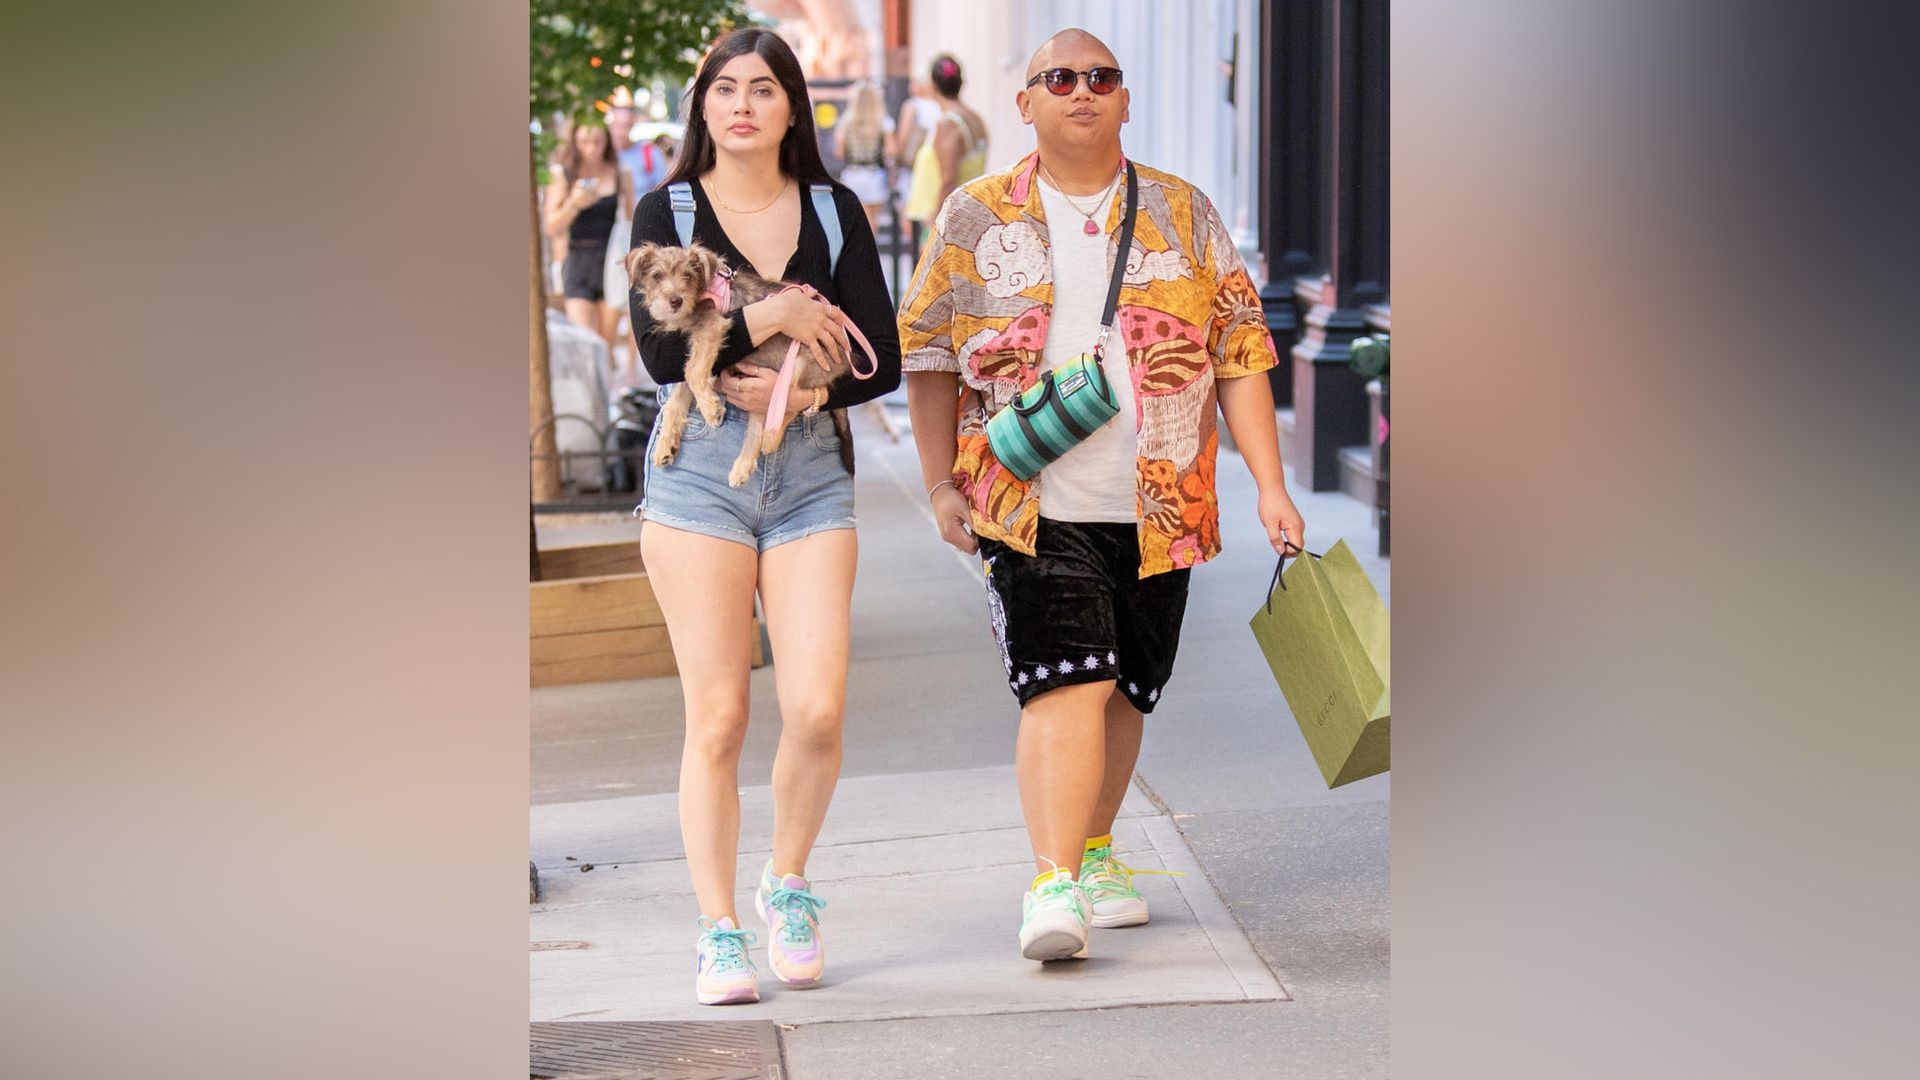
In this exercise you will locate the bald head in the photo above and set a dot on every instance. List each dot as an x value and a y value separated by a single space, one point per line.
1072 47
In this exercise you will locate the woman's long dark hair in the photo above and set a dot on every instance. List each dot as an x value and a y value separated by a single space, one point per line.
799 149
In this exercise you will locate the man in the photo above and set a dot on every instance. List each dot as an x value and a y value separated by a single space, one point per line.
917 115
661 162
1087 564
634 157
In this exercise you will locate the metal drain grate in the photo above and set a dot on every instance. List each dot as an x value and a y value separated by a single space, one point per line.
591 1050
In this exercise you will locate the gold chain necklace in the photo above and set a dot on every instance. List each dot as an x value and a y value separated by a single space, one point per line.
731 210
1090 228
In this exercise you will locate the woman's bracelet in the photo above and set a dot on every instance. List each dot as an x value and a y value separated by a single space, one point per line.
936 487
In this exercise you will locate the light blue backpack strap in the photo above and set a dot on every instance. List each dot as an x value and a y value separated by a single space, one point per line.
680 197
829 216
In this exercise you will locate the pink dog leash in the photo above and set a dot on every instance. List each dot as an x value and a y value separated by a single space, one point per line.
783 384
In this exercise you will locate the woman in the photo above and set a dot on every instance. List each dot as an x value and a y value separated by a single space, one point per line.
860 141
590 191
955 153
748 154
556 245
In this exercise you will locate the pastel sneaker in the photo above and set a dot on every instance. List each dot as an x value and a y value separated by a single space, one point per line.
1054 918
795 951
1110 892
722 974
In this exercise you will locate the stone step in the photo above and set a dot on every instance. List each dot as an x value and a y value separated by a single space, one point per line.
1289 432
1356 472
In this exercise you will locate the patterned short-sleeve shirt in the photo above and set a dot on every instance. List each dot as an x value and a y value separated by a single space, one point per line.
978 305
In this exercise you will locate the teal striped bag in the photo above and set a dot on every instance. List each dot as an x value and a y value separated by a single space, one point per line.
1072 401
1051 417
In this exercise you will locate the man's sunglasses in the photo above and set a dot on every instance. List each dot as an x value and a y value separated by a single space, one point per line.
1060 81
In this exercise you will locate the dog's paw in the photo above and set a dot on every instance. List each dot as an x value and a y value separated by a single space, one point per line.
741 472
663 453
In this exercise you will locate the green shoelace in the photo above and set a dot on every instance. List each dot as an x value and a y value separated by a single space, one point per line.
1100 861
801 908
727 947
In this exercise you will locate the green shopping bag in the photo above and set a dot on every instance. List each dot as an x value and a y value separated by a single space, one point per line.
1327 637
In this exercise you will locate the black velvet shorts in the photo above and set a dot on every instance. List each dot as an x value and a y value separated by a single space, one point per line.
584 275
1077 611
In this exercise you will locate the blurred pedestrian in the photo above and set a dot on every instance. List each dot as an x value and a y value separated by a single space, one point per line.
556 245
955 150
860 142
589 192
634 156
661 153
918 114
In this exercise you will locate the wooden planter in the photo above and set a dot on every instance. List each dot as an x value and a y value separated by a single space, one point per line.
594 618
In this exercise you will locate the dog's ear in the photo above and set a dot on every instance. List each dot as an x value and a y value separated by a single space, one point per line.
640 262
705 262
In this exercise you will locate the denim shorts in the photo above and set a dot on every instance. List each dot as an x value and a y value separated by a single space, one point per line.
799 489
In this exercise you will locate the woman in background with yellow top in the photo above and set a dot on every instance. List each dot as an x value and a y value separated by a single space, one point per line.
955 154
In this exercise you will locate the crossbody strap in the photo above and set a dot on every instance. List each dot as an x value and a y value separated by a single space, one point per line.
829 216
680 197
1119 262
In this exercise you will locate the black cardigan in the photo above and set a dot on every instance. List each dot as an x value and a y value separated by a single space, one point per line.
859 289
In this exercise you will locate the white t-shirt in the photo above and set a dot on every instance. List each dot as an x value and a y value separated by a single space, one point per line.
1096 480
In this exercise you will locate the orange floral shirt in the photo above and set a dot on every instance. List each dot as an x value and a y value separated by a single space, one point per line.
978 305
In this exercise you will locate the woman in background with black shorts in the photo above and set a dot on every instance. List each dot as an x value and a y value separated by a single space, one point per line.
591 190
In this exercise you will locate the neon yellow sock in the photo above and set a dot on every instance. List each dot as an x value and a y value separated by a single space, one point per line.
1040 879
1099 841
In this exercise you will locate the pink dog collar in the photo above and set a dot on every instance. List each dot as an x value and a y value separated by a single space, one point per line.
720 290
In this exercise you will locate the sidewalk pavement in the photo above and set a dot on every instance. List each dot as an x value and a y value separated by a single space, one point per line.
1270 958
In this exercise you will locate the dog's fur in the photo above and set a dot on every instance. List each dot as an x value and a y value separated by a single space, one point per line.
673 282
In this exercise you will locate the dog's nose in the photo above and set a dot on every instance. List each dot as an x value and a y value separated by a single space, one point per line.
675 303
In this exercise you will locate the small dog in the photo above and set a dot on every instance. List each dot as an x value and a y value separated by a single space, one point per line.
676 284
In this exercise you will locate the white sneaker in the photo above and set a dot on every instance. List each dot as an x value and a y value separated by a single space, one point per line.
1109 887
1054 919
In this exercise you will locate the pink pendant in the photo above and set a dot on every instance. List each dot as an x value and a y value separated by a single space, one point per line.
1091 228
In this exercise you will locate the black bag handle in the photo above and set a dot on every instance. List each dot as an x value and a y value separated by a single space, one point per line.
1047 394
1279 581
1119 263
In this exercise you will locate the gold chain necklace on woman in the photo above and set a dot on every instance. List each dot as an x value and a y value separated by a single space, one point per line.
1100 200
731 210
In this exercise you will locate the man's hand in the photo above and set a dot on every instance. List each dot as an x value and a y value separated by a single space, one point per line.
951 514
1286 530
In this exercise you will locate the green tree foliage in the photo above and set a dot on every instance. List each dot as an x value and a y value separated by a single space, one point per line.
582 49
